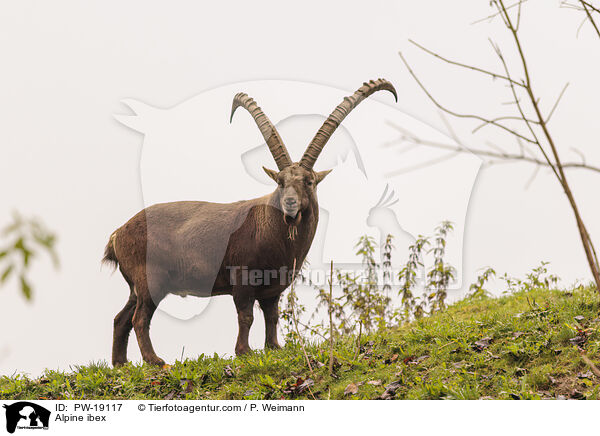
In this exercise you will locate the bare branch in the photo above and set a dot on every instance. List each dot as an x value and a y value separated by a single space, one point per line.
583 232
520 108
537 124
579 153
459 115
591 6
506 117
470 67
519 15
460 147
492 16
586 8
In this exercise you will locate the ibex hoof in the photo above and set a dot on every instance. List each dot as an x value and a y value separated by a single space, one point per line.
242 350
274 346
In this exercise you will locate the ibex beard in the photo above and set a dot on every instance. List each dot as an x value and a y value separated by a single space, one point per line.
205 249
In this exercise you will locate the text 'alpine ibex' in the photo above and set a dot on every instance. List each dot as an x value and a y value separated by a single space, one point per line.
246 249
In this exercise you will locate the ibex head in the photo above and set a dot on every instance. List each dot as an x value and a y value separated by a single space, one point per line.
297 181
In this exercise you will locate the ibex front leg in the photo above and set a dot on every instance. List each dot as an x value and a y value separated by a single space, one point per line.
270 308
244 304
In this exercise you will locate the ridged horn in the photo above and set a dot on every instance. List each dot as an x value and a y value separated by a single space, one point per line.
337 116
278 150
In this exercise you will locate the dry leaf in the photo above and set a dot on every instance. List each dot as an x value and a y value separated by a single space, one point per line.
482 344
351 389
228 371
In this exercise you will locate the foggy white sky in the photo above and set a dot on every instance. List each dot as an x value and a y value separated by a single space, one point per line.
67 65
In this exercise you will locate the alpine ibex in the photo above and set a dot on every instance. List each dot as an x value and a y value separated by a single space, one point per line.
246 249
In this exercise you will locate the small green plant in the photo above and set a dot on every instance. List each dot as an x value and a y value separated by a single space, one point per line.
477 290
288 311
538 278
386 262
25 239
441 274
438 277
364 302
411 305
370 302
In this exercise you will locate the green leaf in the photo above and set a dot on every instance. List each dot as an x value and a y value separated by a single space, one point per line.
19 244
6 273
27 254
25 288
16 225
46 240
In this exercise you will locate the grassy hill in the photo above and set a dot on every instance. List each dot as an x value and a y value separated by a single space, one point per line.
527 345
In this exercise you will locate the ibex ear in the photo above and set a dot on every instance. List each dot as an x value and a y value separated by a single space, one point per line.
272 174
320 175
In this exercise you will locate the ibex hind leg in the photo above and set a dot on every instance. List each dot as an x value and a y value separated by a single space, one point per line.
144 311
122 328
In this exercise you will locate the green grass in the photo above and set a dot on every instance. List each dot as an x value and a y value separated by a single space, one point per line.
529 356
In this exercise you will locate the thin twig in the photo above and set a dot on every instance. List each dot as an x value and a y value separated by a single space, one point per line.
446 344
459 64
533 176
505 117
591 364
491 17
331 320
556 103
358 340
294 318
586 5
312 329
519 14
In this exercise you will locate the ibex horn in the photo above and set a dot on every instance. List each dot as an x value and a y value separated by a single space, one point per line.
278 150
337 116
